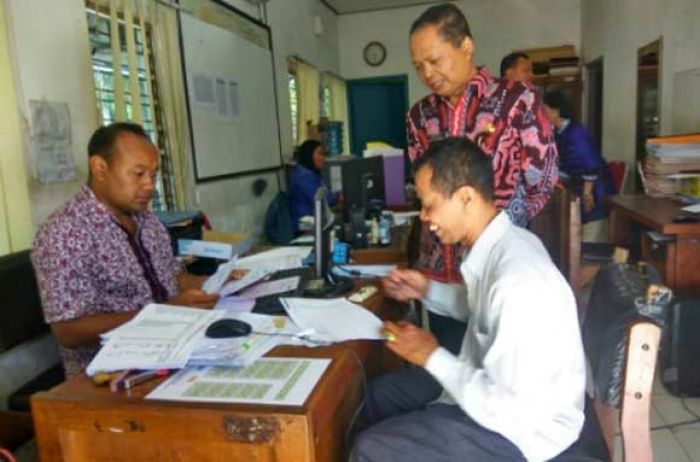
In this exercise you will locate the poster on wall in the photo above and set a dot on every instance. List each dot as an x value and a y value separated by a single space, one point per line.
51 141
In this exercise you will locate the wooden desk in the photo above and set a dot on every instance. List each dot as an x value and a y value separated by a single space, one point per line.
77 421
678 260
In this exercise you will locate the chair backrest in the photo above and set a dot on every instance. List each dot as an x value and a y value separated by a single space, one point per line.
621 337
618 171
278 220
558 225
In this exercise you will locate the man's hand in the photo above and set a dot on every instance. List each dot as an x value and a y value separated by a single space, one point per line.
405 284
237 274
196 298
410 342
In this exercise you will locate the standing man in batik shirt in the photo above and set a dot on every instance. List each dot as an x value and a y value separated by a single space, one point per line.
103 256
505 118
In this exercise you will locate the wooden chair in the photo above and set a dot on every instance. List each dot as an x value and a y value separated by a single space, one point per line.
621 337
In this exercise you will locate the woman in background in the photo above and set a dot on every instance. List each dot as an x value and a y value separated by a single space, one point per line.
580 162
306 179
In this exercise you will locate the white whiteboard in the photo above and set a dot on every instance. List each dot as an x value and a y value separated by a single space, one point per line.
231 97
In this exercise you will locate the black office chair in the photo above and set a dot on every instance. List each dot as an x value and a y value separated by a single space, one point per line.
621 337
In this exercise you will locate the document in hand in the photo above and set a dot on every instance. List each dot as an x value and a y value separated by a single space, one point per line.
279 258
216 281
333 320
159 337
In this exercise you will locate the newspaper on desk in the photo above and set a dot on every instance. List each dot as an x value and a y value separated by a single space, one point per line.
158 337
279 381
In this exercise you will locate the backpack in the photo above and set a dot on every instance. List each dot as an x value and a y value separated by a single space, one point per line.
278 220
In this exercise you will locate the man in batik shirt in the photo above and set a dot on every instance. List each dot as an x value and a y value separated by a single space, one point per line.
504 117
103 256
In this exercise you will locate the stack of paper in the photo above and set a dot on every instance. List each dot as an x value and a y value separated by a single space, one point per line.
159 337
672 166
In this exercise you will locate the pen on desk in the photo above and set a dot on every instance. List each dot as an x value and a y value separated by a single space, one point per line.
142 377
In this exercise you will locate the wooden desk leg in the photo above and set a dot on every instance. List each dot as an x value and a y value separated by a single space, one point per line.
686 264
621 230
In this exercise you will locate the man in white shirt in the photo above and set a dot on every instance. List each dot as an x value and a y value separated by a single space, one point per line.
516 390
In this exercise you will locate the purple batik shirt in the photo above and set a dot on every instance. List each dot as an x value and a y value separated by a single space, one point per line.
86 265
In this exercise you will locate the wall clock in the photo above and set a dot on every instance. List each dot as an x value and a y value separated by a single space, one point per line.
374 53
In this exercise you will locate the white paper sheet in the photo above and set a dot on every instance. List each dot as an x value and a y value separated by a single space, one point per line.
402 218
264 289
217 280
695 208
333 320
234 305
279 381
160 336
279 258
250 278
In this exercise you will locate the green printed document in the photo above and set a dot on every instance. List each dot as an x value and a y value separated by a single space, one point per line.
280 381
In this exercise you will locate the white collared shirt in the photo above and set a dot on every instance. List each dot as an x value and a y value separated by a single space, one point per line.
521 370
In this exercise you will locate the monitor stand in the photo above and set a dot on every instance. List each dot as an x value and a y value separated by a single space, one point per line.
332 286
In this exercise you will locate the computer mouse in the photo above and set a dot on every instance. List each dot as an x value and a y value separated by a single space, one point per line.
228 328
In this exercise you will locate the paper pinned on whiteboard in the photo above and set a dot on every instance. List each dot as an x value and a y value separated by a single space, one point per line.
203 90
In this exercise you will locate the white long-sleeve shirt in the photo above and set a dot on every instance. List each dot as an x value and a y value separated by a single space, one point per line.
521 370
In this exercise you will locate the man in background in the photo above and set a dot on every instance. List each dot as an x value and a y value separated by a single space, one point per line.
517 67
504 118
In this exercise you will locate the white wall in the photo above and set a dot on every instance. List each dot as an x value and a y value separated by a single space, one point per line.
616 30
53 63
52 60
498 27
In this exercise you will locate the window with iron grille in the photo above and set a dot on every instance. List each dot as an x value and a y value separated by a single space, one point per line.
103 68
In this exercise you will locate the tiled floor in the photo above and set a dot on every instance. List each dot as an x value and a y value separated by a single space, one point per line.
678 444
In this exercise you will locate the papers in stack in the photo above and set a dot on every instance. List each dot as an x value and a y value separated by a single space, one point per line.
333 320
279 258
158 337
280 381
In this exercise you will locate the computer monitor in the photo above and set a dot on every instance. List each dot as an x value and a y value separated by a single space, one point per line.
324 283
363 184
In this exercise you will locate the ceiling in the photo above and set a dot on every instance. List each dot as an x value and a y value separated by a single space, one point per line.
357 6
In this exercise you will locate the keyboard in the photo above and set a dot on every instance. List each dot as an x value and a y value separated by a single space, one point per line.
271 304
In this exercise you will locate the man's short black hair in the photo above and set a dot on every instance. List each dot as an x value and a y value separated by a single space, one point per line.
510 60
451 23
103 140
457 162
556 100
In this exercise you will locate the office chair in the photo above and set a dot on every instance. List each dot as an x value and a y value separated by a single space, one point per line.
621 338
